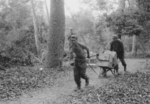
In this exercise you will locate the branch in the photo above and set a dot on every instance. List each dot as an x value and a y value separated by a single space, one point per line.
71 14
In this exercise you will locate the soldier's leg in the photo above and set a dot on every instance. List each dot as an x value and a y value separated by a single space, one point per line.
77 76
123 63
84 76
116 68
83 73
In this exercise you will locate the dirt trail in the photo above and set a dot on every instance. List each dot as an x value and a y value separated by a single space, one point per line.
66 85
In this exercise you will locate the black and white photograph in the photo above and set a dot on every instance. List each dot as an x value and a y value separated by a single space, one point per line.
74 51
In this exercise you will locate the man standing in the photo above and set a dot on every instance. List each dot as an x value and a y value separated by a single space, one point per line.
117 46
80 61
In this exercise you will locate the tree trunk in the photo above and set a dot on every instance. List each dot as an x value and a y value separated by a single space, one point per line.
134 51
35 28
56 34
122 5
48 17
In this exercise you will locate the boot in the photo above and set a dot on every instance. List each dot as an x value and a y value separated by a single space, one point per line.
125 69
77 88
87 82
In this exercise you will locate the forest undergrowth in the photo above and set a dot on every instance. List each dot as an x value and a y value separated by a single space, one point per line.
16 81
127 89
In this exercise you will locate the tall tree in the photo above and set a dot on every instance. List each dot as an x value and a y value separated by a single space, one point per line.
134 39
35 28
47 12
122 5
121 9
56 34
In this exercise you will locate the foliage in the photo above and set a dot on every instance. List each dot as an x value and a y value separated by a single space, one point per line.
100 28
23 79
16 28
133 21
144 20
99 5
144 5
84 23
124 23
83 26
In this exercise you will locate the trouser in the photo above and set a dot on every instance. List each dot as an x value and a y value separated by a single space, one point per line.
80 72
123 64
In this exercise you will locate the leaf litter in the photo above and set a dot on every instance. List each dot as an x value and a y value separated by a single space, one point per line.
19 80
126 89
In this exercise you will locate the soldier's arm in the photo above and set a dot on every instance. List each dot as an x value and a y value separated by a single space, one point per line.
111 46
84 47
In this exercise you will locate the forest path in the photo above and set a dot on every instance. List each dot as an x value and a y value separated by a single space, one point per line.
66 86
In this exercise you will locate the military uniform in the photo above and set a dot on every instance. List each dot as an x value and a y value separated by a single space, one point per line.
79 63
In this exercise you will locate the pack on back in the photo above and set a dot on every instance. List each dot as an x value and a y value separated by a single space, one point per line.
108 59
